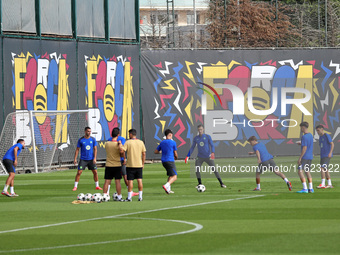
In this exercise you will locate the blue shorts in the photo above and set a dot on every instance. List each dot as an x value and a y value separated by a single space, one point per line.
170 168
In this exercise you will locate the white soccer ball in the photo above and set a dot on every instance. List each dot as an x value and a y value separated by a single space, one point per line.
106 197
200 188
88 197
97 197
115 196
81 197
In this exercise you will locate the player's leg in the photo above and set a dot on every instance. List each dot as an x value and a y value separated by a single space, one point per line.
81 165
328 177
126 180
117 174
130 177
198 164
106 185
273 167
307 169
93 167
8 164
258 179
323 174
140 189
171 172
108 176
211 163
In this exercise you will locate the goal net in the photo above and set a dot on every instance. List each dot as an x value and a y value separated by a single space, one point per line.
53 134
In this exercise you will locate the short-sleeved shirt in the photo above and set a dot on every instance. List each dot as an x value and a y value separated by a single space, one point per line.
325 145
167 147
112 154
264 154
120 138
134 149
10 153
86 146
204 143
307 140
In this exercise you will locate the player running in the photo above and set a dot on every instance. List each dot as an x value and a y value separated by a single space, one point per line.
123 161
168 149
136 152
206 153
10 161
113 166
326 153
266 162
305 159
88 157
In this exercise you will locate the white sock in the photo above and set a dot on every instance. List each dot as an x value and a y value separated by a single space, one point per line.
329 182
97 184
167 185
286 180
129 195
108 189
304 185
323 182
120 196
258 186
5 188
11 189
140 196
76 184
310 185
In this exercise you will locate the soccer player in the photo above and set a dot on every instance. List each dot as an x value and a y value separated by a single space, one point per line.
123 161
113 166
206 153
266 162
88 157
326 153
136 152
169 154
10 161
305 159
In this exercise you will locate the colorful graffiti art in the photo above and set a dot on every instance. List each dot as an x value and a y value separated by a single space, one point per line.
282 94
40 82
109 95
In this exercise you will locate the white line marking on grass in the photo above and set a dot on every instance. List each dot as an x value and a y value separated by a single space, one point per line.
196 225
127 214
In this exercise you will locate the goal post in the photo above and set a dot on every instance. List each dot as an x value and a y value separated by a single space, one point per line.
50 137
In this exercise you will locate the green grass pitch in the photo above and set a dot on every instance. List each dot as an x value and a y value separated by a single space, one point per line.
235 220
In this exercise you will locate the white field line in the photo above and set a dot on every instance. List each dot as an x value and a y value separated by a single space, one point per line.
127 214
196 225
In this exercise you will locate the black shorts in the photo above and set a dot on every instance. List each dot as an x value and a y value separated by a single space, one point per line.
86 163
123 169
268 165
113 172
9 165
170 168
324 162
305 165
134 173
200 161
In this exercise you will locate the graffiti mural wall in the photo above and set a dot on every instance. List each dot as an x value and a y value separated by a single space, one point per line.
237 94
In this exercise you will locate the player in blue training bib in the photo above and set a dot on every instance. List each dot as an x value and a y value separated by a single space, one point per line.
326 153
266 162
169 154
10 161
305 159
87 145
206 153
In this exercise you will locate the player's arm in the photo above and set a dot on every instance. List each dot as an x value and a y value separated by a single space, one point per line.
331 151
251 153
95 154
258 157
15 156
76 155
175 155
143 157
190 151
158 149
212 148
303 151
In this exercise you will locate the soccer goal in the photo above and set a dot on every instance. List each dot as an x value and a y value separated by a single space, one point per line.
50 137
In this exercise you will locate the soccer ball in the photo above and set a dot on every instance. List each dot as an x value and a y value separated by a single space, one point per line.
88 197
106 197
81 197
115 196
97 197
201 188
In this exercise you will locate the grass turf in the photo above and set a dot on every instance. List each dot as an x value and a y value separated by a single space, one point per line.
279 222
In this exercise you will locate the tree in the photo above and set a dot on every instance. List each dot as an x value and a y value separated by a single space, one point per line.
247 23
